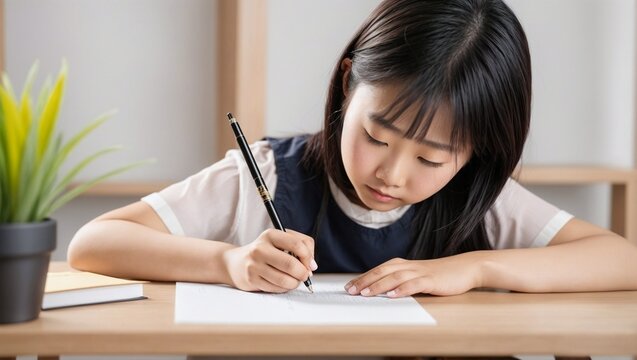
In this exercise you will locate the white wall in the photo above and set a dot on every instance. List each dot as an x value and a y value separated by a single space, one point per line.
583 58
305 39
583 54
154 60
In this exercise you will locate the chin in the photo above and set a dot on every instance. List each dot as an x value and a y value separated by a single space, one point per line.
383 207
378 206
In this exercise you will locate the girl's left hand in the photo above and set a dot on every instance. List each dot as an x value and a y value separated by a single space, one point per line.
399 277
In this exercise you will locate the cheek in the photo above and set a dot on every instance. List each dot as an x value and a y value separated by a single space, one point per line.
357 159
430 182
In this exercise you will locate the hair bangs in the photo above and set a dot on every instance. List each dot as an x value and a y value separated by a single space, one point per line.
425 104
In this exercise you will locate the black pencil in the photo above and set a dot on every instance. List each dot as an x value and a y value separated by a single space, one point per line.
260 183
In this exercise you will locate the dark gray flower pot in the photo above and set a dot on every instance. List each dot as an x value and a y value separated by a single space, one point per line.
25 250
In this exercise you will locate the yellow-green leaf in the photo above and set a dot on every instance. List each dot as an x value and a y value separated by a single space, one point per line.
71 144
13 137
32 151
45 90
7 85
25 103
28 204
71 194
4 199
62 185
50 112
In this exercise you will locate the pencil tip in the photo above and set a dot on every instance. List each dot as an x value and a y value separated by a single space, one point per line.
311 289
229 115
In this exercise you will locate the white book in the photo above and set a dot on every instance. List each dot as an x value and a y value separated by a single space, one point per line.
65 289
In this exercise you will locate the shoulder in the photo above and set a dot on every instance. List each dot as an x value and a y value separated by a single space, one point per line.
210 203
288 147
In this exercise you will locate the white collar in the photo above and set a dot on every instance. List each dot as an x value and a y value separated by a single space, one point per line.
369 218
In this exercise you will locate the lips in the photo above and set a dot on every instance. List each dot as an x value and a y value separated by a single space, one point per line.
379 195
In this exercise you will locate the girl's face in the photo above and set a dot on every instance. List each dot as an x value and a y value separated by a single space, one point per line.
386 169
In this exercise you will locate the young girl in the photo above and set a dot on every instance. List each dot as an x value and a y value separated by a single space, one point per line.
408 183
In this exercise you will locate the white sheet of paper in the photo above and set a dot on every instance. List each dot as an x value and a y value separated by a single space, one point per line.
328 305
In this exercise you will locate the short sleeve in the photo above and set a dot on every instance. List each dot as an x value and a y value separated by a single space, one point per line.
221 201
520 219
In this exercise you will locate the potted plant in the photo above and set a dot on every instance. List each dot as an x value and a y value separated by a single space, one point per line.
32 152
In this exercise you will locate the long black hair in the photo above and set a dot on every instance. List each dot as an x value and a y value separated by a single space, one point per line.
471 55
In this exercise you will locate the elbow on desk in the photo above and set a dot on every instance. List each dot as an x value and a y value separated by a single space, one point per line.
80 249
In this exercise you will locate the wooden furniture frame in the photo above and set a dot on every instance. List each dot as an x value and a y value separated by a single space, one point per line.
241 39
623 183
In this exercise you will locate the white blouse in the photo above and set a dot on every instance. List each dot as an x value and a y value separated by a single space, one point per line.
221 203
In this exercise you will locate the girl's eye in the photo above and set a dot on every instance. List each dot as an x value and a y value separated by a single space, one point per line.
374 141
429 163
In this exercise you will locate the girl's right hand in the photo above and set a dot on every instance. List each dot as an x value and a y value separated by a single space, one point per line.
266 265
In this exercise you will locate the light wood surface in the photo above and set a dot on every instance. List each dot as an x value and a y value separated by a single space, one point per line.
573 175
130 188
478 323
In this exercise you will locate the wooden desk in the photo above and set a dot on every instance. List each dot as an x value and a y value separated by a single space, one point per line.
487 323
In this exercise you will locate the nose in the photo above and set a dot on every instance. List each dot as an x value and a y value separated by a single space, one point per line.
393 172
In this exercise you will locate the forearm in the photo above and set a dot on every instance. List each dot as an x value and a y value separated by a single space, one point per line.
599 263
125 249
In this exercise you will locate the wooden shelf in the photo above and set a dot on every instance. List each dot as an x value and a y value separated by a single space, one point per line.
125 188
530 175
623 183
573 175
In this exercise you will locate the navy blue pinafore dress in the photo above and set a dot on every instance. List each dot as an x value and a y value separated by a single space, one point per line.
341 245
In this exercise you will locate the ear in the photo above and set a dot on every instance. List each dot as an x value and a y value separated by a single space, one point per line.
346 67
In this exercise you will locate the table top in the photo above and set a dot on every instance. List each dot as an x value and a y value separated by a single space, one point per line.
475 323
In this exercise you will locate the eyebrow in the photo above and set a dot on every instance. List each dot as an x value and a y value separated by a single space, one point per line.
391 127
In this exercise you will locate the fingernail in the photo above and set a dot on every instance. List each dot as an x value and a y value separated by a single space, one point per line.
348 285
313 265
365 292
391 293
352 290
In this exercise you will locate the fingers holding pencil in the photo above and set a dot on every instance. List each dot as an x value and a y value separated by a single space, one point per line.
265 264
300 246
289 253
